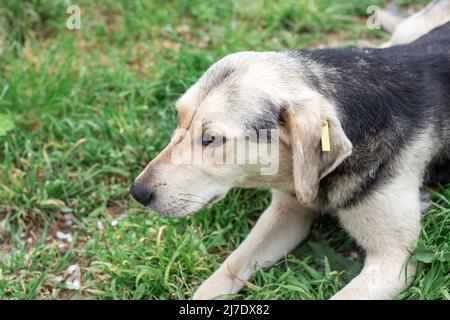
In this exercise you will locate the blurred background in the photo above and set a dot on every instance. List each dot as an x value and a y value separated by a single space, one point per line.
82 111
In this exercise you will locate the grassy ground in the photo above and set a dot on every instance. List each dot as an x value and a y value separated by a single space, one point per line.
81 112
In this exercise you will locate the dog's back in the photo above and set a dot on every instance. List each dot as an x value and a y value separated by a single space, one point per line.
437 42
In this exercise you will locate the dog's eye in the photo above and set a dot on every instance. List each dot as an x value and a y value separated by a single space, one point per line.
212 138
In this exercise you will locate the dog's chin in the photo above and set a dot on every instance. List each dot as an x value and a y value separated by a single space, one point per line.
177 213
173 213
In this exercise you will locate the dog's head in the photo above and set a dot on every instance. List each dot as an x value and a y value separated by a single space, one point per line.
250 121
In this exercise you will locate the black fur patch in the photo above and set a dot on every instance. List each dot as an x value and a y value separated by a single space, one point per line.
267 120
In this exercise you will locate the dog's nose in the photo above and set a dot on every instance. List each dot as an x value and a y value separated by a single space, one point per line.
141 193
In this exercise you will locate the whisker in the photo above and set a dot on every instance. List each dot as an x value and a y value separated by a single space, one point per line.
193 195
193 201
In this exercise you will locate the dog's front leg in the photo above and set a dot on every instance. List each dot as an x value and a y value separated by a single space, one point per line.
387 225
279 230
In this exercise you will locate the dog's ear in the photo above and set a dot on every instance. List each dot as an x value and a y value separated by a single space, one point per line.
310 163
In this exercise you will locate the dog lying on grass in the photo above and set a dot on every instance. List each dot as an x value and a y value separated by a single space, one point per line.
357 132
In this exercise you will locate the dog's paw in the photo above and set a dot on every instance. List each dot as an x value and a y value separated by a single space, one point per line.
218 286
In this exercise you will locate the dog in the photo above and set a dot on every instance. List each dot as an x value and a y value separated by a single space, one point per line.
358 132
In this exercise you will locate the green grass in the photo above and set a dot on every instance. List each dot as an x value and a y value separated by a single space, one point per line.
82 112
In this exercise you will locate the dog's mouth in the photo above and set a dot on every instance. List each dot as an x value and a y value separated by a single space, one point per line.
215 199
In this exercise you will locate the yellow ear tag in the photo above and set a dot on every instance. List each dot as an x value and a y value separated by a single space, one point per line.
325 137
